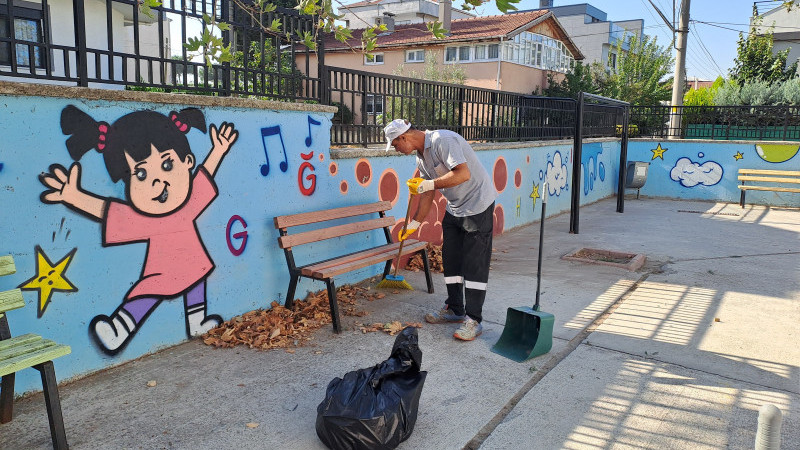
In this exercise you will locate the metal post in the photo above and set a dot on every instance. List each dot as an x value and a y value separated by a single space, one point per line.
363 79
623 162
680 68
79 16
226 41
574 210
322 73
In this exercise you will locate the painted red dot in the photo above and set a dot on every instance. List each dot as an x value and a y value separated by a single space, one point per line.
528 159
343 187
517 178
389 186
322 157
333 168
363 172
500 174
499 220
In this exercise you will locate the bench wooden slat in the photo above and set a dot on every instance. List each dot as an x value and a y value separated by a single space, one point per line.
354 265
7 266
769 172
30 354
769 179
332 232
768 188
11 299
353 256
19 340
330 214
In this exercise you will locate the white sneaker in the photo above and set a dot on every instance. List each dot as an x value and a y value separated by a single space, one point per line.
469 330
113 332
197 323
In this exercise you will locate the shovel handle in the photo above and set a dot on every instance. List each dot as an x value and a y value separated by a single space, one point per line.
541 241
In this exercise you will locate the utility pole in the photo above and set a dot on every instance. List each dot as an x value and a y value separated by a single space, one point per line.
680 70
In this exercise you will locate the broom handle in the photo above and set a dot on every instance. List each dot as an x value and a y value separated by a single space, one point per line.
541 240
405 224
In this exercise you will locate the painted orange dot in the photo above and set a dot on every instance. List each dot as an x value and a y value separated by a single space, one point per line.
527 158
389 186
322 156
517 178
333 168
500 174
363 172
343 187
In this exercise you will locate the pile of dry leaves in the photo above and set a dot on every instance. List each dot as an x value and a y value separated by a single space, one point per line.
280 327
434 260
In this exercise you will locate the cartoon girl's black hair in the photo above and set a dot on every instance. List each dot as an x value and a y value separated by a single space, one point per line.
133 134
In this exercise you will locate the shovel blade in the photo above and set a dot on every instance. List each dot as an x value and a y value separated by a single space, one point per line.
528 333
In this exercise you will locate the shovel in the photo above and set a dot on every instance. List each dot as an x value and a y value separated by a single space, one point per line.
528 332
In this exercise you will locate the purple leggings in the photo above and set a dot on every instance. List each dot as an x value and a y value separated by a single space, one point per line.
139 308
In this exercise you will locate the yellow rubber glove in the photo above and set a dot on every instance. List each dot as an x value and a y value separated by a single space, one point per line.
410 229
419 185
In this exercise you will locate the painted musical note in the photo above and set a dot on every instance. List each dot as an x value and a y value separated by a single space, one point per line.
311 121
265 133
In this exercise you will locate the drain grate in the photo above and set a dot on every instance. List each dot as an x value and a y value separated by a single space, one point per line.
711 213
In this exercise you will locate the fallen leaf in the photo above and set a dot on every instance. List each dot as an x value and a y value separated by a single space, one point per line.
252 425
716 319
151 383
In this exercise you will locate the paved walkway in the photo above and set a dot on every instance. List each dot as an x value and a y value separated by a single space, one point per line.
680 354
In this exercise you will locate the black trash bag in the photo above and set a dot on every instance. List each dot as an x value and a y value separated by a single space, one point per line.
374 408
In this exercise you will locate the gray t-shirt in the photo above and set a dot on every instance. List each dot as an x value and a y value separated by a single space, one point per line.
444 150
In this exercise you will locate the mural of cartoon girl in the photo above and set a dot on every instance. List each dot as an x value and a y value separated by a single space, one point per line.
149 152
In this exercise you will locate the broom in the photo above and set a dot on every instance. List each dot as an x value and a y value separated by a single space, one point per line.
395 281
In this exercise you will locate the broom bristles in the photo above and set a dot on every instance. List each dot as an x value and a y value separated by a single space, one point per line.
395 282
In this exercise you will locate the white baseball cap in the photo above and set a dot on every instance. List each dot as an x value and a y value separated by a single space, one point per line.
393 130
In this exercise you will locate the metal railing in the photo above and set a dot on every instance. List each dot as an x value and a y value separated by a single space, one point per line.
368 101
762 123
130 48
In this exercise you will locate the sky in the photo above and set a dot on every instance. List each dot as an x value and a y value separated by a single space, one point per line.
720 43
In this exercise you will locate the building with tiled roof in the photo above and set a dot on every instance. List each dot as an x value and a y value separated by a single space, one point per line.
512 52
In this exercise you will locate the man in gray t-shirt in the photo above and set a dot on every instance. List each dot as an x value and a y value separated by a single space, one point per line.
448 163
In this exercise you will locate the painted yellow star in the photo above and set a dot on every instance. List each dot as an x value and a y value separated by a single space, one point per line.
535 194
658 152
519 206
49 278
738 156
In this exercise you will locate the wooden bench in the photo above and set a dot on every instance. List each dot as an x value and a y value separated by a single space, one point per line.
767 176
28 350
329 268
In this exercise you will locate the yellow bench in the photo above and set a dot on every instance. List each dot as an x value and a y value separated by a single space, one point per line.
22 352
767 176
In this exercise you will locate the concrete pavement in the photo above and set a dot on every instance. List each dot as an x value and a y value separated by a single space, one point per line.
680 354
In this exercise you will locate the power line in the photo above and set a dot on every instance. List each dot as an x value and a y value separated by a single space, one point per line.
705 49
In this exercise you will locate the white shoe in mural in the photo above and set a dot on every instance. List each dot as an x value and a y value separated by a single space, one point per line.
197 323
113 332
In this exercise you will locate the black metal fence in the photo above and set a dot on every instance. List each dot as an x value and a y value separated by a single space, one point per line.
763 123
368 101
116 42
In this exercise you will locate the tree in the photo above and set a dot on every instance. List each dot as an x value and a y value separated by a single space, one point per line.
639 77
755 60
577 80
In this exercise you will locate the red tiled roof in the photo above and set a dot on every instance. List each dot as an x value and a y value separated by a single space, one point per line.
364 3
473 28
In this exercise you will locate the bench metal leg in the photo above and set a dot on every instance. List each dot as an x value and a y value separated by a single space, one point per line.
7 398
293 279
337 328
53 404
388 268
425 264
741 199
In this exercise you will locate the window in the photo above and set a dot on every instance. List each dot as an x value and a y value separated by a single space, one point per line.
451 54
374 104
535 50
373 59
464 53
612 61
415 56
27 29
493 51
480 52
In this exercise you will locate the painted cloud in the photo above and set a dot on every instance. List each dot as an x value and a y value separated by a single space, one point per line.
690 173
556 175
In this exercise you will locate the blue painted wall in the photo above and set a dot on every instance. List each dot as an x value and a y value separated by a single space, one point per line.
249 273
701 170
